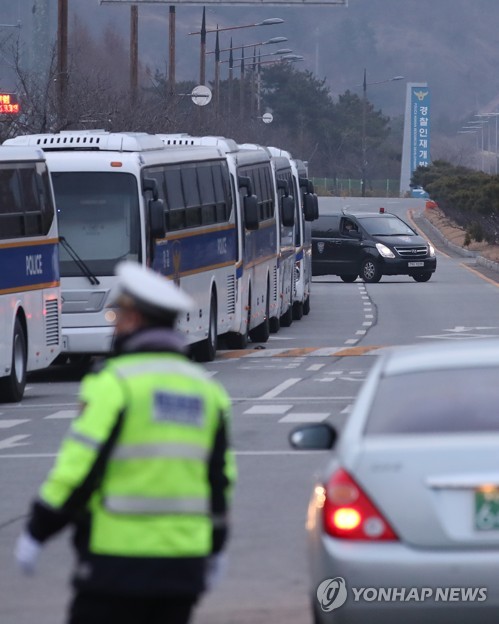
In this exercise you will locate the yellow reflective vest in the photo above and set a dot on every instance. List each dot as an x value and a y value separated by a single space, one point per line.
144 474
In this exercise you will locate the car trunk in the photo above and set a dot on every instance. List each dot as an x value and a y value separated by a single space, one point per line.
435 491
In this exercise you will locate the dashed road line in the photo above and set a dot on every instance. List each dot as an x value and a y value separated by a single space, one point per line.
304 418
281 387
7 424
268 410
62 415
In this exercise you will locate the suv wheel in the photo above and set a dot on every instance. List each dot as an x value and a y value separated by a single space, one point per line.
370 271
349 278
421 277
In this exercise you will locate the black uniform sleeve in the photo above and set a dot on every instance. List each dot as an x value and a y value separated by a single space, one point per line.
219 482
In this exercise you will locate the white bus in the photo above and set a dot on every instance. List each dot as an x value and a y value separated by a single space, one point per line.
30 300
295 257
308 207
286 226
180 210
258 293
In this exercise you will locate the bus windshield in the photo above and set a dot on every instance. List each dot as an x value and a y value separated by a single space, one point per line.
98 216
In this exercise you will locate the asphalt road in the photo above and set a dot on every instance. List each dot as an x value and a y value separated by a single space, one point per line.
308 372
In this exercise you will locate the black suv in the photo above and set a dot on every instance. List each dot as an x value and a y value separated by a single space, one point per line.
369 244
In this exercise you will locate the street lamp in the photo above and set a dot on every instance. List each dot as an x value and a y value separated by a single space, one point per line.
283 53
204 31
488 116
268 22
251 45
365 84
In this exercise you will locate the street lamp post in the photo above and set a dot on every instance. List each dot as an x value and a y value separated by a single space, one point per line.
204 31
365 84
488 116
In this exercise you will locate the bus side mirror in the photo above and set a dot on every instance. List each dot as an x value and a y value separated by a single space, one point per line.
150 184
287 211
250 209
245 182
283 185
316 206
309 207
157 218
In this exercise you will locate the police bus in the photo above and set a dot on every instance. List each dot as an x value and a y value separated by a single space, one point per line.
258 287
30 300
185 211
309 211
295 256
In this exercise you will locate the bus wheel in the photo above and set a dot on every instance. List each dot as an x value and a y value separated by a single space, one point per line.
306 306
12 387
206 350
287 317
297 310
261 333
275 324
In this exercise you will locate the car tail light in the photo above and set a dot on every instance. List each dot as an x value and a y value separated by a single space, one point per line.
349 514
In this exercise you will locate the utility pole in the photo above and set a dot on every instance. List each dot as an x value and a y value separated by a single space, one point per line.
217 76
134 52
62 58
202 60
364 139
241 88
171 50
231 77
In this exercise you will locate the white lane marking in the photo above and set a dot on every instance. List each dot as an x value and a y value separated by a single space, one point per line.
7 424
248 453
305 418
361 332
268 409
367 324
23 406
62 414
280 388
28 455
351 341
315 367
347 410
315 399
14 441
369 315
272 453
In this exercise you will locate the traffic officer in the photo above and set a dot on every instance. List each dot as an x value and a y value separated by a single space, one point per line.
144 474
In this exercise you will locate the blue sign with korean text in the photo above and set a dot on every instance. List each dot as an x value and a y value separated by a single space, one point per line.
420 127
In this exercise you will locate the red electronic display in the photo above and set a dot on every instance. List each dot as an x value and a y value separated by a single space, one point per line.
9 104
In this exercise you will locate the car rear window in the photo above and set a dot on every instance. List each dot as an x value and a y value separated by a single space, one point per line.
432 402
325 226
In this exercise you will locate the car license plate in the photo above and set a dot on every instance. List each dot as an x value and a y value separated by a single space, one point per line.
415 264
487 509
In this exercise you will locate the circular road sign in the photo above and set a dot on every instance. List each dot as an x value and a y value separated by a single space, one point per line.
201 95
267 118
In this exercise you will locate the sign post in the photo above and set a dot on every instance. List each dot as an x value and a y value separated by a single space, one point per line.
416 146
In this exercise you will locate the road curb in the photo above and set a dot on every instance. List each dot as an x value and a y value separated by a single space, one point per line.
481 260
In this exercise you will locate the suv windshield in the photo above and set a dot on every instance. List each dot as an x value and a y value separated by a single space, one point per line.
386 226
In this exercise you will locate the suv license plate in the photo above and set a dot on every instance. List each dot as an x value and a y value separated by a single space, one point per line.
486 509
415 264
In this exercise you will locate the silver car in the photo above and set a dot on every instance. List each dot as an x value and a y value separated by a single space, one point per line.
403 524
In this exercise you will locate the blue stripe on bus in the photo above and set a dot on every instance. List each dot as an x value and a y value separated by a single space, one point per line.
196 252
29 265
